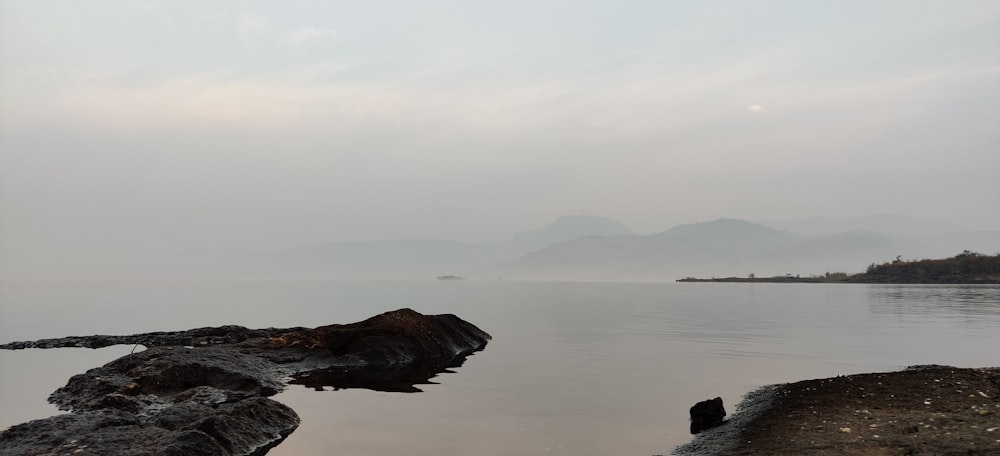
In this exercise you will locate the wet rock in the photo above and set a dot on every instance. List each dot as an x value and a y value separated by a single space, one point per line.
166 374
707 414
204 391
244 428
198 337
396 337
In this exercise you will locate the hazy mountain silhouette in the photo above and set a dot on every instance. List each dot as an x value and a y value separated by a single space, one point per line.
696 247
913 238
570 227
584 247
416 259
727 247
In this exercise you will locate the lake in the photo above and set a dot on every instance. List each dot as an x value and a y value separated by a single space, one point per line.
573 368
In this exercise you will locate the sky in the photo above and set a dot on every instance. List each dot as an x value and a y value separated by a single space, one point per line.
186 126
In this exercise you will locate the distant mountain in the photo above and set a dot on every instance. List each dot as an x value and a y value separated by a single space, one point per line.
727 247
416 259
582 247
881 223
723 236
596 248
695 248
571 227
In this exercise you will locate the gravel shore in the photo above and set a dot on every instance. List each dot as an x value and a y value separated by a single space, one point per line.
923 410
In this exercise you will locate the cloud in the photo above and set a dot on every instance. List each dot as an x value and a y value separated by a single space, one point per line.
299 37
755 108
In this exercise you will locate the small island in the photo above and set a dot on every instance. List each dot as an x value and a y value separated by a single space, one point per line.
964 268
450 277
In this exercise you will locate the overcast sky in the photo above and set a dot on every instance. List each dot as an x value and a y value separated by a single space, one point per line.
238 125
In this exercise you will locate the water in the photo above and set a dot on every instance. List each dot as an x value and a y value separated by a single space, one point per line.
574 368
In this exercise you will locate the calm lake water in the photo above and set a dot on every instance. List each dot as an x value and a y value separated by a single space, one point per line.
574 368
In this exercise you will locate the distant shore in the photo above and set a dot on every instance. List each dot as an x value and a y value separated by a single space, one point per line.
960 280
971 280
776 279
966 268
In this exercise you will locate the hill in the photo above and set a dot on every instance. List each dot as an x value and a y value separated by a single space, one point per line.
724 246
422 259
570 227
597 248
965 268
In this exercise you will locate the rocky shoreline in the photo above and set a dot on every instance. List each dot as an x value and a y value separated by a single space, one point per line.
923 410
206 391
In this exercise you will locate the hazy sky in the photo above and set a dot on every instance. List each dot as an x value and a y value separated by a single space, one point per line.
191 125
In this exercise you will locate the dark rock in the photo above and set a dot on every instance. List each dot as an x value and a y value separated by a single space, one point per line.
707 414
391 338
199 337
204 391
242 428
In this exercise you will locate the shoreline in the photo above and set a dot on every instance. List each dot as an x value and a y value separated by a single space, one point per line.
938 410
850 280
966 268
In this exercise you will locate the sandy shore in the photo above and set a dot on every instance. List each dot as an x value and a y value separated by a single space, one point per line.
923 410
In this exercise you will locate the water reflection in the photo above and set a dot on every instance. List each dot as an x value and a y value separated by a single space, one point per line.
393 379
588 369
967 301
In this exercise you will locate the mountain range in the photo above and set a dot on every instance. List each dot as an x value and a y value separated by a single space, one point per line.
598 248
416 259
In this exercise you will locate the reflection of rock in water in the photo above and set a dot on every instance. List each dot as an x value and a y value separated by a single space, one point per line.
400 378
204 391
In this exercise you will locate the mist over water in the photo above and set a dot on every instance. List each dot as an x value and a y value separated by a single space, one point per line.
578 368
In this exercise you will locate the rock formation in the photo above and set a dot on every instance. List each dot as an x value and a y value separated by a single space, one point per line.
205 391
707 414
